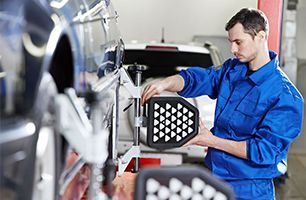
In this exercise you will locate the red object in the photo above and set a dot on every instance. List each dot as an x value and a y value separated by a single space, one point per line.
123 186
168 48
144 162
273 10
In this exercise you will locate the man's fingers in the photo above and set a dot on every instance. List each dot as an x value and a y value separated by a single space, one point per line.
149 93
146 89
187 144
192 141
197 139
144 95
151 90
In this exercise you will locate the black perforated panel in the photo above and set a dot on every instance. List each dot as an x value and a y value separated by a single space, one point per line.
172 121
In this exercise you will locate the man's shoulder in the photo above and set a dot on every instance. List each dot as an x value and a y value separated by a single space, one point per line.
284 85
230 63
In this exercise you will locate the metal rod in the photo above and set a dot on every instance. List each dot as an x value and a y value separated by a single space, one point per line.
69 173
96 177
137 116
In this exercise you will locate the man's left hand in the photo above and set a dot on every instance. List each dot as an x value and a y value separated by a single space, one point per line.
204 138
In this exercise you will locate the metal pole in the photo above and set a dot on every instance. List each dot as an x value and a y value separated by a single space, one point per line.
96 177
137 117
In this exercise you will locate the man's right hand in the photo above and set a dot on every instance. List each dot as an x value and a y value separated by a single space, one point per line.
171 84
154 88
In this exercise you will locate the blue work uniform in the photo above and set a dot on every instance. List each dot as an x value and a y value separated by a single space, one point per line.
264 109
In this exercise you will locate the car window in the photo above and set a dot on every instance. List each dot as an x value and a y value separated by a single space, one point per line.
165 63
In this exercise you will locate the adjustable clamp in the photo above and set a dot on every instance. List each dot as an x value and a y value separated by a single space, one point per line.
135 91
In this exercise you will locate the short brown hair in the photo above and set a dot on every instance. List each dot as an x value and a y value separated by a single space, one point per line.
252 21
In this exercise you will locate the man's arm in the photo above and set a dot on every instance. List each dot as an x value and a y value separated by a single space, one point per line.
206 138
236 148
173 83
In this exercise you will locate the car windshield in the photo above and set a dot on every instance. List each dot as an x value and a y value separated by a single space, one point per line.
165 63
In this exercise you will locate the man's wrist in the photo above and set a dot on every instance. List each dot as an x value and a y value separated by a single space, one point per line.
213 142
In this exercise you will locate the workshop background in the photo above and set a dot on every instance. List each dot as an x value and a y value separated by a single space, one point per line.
204 20
48 133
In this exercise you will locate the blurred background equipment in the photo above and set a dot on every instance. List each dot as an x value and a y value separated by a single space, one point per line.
184 182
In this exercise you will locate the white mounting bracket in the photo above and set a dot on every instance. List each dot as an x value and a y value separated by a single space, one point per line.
76 128
135 91
127 82
123 161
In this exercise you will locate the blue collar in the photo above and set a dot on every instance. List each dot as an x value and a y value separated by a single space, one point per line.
265 71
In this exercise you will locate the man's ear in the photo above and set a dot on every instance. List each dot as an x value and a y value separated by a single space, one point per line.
262 35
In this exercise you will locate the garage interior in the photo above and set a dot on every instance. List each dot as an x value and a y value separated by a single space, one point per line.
192 21
128 150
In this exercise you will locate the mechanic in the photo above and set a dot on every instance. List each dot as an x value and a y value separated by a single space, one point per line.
258 113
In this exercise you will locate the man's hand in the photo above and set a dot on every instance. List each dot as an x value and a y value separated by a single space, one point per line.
207 139
152 89
171 84
204 138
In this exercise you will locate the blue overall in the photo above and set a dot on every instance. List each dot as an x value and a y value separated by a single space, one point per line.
264 109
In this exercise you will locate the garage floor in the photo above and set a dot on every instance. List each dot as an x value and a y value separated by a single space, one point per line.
294 187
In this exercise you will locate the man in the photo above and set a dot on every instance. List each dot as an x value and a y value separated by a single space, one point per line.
258 113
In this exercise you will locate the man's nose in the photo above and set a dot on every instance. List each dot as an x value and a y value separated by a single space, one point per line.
233 48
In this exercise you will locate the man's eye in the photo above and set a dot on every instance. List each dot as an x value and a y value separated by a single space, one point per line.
238 42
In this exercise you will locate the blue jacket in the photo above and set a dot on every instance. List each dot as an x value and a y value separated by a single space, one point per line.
263 109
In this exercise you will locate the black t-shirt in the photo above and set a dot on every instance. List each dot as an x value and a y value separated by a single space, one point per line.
250 72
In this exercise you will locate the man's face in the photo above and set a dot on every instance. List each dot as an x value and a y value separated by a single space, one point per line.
243 46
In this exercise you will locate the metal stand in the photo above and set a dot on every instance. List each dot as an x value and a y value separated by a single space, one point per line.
88 138
135 91
96 176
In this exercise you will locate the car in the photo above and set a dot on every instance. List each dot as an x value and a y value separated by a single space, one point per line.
161 60
48 46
